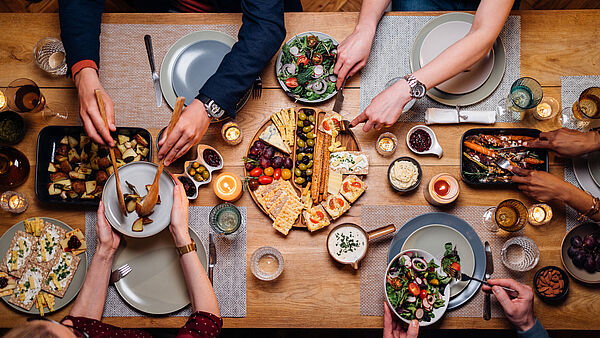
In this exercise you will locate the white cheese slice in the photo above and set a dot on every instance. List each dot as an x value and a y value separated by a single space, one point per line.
271 136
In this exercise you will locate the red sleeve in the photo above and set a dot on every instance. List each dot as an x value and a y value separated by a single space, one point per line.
83 64
95 328
201 325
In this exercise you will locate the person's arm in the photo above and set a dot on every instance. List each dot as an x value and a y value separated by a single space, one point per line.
386 107
200 289
91 298
567 142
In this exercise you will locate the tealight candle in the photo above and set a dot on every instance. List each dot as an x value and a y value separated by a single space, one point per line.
547 109
228 187
540 214
13 201
442 189
231 133
2 101
386 144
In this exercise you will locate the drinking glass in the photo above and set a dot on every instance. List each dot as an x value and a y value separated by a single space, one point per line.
584 110
24 96
510 215
520 254
225 219
14 168
525 93
49 54
266 263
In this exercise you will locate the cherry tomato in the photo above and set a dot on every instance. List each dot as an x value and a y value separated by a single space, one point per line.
356 184
423 294
317 58
455 266
277 174
414 288
302 60
256 172
253 184
335 121
346 187
311 41
265 179
269 171
286 174
326 126
291 82
396 283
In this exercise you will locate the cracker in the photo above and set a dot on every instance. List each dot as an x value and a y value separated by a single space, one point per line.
51 235
33 273
30 247
63 272
353 192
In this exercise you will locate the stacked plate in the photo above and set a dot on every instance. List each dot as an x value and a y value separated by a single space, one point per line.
470 86
587 172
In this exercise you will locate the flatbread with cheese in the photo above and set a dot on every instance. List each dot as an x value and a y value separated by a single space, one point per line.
48 248
316 218
61 274
331 121
352 188
336 205
80 237
28 286
22 247
7 284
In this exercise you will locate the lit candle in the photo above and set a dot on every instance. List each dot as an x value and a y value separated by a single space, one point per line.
14 202
2 100
228 187
547 109
386 144
231 133
540 214
544 110
442 189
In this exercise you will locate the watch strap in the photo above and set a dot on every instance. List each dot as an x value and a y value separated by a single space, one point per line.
213 109
417 88
182 250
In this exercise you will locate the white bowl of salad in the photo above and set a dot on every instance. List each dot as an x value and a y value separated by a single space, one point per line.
304 67
416 287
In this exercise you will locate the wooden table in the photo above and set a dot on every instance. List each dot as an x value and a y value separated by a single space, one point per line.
313 291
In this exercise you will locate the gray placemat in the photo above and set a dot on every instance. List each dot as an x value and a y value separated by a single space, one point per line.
229 279
125 71
373 265
389 58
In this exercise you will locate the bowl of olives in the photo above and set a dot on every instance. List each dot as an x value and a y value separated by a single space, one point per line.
200 171
306 136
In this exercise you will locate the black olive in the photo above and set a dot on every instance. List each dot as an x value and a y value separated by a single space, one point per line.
308 149
299 150
305 160
299 132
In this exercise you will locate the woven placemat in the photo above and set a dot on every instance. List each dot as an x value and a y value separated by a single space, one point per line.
229 279
125 71
389 58
373 266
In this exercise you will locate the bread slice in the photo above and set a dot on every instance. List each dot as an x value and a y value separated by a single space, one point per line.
22 247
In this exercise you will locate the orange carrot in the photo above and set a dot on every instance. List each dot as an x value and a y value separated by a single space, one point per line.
480 149
533 160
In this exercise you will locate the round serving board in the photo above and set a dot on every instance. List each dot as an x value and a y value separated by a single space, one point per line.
347 139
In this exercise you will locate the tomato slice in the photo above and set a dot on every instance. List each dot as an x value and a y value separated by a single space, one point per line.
326 126
302 60
423 294
346 187
291 82
320 214
414 289
455 266
356 184
335 121
340 202
312 220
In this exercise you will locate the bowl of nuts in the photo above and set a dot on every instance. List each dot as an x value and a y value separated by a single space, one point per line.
551 284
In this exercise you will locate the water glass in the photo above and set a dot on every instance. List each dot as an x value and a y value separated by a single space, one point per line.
584 110
49 54
520 254
510 215
266 263
525 93
225 219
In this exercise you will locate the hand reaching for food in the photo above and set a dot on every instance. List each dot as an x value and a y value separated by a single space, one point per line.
519 310
392 327
567 142
540 185
108 239
179 216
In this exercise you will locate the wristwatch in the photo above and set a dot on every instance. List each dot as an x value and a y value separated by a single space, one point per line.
182 250
417 89
212 108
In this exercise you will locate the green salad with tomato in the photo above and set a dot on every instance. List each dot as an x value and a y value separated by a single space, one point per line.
414 288
306 68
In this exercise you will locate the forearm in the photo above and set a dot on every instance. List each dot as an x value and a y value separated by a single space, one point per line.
371 12
91 298
578 199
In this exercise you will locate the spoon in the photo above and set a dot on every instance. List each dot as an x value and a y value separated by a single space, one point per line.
113 159
151 198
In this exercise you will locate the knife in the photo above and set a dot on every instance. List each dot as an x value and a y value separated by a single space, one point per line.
155 78
489 270
339 98
212 257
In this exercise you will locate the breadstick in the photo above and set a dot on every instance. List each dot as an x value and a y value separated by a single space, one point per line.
325 170
317 163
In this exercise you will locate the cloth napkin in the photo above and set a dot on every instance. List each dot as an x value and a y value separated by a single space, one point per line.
449 116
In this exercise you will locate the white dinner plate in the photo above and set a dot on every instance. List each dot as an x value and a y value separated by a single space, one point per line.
444 36
432 238
155 284
582 174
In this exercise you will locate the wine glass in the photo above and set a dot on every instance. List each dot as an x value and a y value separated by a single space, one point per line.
510 215
584 110
24 96
525 93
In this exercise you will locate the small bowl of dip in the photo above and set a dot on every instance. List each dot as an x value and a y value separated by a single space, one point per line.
348 243
421 140
405 174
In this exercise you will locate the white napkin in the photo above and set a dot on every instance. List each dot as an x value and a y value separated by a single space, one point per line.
449 116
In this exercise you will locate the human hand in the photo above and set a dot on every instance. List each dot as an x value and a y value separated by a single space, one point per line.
540 185
179 216
87 82
353 53
385 108
567 142
190 128
392 328
108 239
519 311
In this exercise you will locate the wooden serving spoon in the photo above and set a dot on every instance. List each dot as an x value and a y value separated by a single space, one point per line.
112 155
149 201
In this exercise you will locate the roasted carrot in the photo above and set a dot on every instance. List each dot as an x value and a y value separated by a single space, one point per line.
531 160
516 137
480 149
492 139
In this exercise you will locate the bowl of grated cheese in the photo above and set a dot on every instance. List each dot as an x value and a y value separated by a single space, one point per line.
404 174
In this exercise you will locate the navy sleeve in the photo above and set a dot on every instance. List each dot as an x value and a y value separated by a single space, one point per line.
80 29
259 38
536 331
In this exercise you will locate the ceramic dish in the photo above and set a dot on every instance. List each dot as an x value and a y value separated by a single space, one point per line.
278 65
457 224
593 164
419 178
190 62
578 273
139 174
439 312
200 159
15 124
434 148
432 238
476 95
155 284
583 176
76 282
564 291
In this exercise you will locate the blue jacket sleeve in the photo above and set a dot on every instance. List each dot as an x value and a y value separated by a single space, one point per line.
259 38
536 331
80 29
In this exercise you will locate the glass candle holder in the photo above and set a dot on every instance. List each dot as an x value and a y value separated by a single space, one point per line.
3 103
231 133
540 214
386 144
13 202
548 108
266 263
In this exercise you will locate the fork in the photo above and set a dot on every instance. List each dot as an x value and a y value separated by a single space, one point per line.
121 272
503 163
257 88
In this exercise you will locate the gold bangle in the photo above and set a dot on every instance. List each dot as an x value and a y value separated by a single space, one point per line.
182 250
593 210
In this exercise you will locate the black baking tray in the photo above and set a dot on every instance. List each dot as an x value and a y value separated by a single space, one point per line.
48 139
543 153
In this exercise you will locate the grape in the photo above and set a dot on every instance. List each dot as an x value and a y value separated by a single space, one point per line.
576 241
277 162
578 260
254 157
254 150
590 264
598 263
288 164
260 144
597 236
269 152
572 252
249 166
265 162
589 242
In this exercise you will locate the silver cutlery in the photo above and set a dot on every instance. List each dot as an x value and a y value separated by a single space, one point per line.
489 270
339 98
155 78
212 256
119 273
503 163
257 88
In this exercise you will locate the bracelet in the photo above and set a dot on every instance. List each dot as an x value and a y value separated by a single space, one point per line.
593 210
182 250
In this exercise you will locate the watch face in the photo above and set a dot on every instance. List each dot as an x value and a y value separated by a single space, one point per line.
418 91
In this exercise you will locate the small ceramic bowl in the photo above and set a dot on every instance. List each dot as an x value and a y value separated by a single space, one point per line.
539 283
262 263
434 148
419 178
16 125
200 150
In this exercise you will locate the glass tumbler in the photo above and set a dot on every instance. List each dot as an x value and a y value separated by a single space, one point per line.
525 93
49 54
520 254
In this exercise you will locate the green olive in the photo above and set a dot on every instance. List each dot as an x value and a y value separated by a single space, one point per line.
297 172
192 172
300 143
310 142
307 129
310 164
311 118
198 177
309 155
301 166
299 180
300 124
311 135
301 116
195 165
201 169
300 156
205 174
308 172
